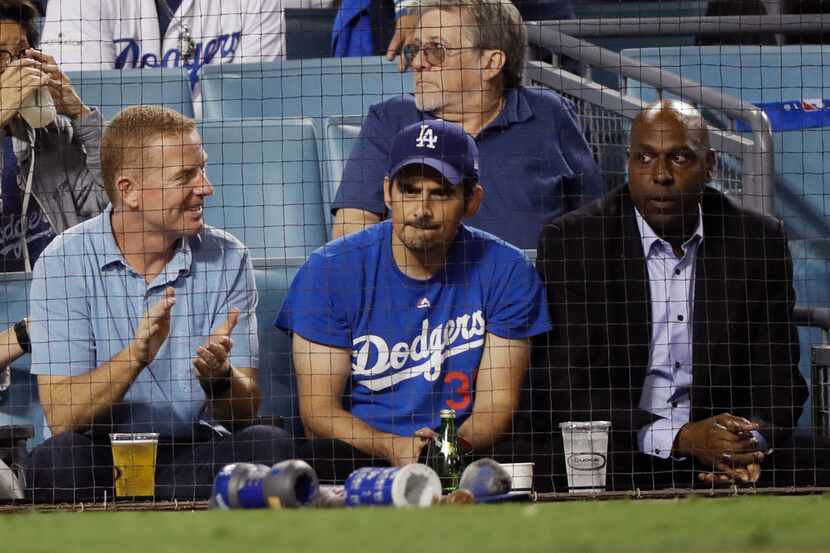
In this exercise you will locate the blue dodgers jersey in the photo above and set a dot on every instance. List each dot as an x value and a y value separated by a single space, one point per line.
416 345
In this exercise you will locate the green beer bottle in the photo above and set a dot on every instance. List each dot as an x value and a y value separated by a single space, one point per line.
446 459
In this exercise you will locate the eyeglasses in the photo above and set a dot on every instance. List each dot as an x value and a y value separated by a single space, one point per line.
435 53
7 57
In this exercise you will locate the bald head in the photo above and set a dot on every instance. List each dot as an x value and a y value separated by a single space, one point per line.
677 112
669 163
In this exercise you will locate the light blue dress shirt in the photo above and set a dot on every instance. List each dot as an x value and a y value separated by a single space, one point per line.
669 375
86 304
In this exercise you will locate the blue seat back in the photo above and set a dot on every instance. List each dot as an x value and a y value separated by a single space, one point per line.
339 136
19 404
112 90
300 88
267 184
275 375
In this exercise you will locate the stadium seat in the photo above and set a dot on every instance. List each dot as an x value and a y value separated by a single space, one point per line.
339 134
299 88
19 402
112 90
267 184
276 376
811 273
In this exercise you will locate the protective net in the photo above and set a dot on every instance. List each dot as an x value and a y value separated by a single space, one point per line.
593 235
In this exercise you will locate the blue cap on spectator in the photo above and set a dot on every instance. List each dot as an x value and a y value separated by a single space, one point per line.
444 146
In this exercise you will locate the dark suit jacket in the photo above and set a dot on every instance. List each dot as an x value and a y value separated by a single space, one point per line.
593 364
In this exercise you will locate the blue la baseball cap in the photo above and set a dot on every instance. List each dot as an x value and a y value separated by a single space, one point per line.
444 146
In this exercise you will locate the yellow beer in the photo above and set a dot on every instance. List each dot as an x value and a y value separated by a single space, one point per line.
134 464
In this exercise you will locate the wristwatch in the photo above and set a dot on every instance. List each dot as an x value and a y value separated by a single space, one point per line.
21 330
217 387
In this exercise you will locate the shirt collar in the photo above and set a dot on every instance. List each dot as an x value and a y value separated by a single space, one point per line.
515 110
650 238
110 253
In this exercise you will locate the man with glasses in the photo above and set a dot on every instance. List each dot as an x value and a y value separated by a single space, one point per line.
467 57
51 176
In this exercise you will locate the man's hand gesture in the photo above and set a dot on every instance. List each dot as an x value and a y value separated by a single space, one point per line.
404 33
212 361
725 443
153 329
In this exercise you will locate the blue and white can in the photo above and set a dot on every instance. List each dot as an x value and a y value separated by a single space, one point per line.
412 485
235 486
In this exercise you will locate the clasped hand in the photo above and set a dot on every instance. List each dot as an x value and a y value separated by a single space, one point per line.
727 444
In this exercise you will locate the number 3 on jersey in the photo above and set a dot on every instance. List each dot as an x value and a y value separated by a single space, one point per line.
462 390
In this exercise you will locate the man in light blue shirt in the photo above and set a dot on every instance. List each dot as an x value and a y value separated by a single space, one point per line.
143 320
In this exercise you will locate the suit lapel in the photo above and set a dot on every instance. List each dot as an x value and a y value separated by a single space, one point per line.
711 314
633 312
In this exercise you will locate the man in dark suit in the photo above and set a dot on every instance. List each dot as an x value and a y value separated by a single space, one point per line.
672 314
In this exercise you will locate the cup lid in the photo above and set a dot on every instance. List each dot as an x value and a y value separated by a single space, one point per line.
585 425
134 436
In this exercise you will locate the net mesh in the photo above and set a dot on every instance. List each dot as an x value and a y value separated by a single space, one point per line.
284 148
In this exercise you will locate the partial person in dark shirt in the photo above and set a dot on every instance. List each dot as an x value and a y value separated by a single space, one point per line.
468 57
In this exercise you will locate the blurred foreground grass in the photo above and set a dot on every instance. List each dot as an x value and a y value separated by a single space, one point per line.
700 525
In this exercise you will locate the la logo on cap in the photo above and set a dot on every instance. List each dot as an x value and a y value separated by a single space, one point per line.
426 138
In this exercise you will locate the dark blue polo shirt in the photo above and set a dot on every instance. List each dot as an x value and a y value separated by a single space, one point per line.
534 163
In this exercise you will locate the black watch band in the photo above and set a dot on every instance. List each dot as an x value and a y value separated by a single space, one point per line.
21 330
218 387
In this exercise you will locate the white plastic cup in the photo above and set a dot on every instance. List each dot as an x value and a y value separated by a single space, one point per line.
521 474
586 455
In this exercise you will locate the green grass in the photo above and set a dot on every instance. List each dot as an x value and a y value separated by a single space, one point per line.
728 525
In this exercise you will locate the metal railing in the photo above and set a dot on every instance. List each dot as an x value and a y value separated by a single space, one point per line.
818 317
603 113
662 26
756 154
758 180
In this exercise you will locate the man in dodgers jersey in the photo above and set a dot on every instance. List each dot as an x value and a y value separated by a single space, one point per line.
416 314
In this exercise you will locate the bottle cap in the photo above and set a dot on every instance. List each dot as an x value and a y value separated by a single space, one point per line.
447 413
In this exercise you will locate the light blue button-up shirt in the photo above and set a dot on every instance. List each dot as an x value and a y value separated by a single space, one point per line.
86 304
669 376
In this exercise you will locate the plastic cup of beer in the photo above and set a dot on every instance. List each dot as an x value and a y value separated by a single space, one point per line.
586 455
134 463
